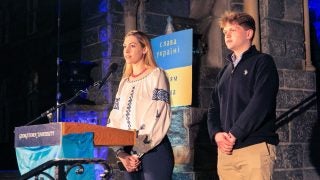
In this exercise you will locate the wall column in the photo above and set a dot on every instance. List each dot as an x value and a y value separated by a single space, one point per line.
252 7
307 64
130 14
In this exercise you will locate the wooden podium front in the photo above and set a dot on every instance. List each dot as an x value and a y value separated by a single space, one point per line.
103 136
46 145
50 134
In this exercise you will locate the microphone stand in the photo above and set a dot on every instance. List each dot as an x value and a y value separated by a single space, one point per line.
59 60
49 111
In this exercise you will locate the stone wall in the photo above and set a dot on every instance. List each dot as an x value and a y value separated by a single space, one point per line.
282 32
282 35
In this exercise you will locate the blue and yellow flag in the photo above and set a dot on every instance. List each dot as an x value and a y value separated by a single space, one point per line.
173 53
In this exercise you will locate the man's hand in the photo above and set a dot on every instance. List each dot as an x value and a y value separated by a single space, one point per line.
130 162
225 142
232 138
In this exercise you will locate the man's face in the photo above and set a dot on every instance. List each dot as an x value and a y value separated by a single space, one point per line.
236 37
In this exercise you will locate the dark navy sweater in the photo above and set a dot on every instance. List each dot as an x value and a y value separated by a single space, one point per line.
244 100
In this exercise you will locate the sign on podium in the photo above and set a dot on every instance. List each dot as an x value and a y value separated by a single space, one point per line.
37 144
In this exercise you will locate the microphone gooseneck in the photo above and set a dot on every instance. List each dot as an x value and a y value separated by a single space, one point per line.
111 69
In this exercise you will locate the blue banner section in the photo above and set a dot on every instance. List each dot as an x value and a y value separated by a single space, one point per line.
31 157
38 135
173 50
72 146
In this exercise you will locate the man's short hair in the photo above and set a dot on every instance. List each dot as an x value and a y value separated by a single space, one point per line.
243 19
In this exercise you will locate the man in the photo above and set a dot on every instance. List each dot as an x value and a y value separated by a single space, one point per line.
241 115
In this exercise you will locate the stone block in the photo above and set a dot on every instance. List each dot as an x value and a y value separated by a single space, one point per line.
104 35
205 97
194 116
182 154
93 8
281 78
208 77
295 49
288 63
299 79
183 176
283 132
116 6
287 99
302 126
94 52
117 18
188 131
289 156
311 174
117 174
293 10
178 134
288 174
118 32
92 114
172 7
155 24
285 30
306 156
193 132
117 48
275 47
183 168
93 22
89 37
277 10
195 121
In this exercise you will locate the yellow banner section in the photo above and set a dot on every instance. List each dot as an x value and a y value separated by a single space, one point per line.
180 85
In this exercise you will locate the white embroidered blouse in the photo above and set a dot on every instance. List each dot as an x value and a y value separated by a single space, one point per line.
143 105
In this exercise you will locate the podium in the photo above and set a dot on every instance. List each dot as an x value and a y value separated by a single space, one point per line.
39 147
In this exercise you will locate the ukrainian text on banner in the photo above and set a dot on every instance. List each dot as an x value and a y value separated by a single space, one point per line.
173 53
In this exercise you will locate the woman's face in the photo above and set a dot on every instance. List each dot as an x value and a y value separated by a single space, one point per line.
133 52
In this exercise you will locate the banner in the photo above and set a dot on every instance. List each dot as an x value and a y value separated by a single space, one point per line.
173 53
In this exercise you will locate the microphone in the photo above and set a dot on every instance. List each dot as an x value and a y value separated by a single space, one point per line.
111 69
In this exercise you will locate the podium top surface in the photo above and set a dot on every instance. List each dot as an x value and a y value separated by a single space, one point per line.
51 134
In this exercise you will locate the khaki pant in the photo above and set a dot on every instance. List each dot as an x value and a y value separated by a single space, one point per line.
254 162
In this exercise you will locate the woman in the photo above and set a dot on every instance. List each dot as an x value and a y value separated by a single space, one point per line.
142 103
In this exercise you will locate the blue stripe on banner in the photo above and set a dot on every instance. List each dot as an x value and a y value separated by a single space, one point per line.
173 50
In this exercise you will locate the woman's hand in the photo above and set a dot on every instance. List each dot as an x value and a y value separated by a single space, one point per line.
130 162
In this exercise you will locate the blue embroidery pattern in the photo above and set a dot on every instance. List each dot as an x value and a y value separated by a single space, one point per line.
116 103
160 95
146 140
128 111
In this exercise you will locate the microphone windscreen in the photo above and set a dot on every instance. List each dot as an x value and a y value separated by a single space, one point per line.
113 67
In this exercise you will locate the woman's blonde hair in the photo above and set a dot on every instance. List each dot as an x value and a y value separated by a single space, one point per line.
148 58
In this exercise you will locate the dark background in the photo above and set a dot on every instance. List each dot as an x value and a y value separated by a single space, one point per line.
29 49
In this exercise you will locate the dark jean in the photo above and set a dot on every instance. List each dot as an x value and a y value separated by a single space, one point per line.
157 164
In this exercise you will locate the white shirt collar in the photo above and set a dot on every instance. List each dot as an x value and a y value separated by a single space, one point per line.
235 60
